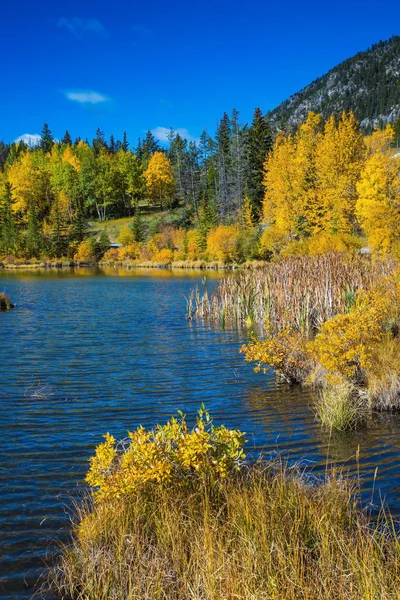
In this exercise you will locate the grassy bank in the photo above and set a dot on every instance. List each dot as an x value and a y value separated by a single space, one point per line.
253 532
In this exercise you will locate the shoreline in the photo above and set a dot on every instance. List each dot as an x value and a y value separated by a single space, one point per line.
199 265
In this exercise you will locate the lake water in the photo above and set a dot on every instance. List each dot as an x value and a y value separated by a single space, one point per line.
91 351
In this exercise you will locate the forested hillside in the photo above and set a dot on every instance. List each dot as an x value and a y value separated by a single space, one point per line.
368 84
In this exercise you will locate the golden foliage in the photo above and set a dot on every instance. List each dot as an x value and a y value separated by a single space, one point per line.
222 243
159 178
84 253
346 344
378 204
126 236
284 350
167 455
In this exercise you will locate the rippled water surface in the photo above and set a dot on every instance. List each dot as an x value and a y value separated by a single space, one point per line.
88 352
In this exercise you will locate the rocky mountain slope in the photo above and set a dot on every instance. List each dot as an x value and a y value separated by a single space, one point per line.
368 83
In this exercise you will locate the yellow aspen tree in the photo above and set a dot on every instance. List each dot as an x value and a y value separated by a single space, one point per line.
159 179
246 218
378 204
280 181
351 150
306 142
29 177
380 140
339 159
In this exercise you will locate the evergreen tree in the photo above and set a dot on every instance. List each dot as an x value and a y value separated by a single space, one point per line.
46 139
99 142
147 148
396 127
34 233
125 143
9 236
67 140
260 144
112 145
59 237
138 227
208 218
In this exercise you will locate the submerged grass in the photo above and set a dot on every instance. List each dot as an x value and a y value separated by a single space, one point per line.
266 532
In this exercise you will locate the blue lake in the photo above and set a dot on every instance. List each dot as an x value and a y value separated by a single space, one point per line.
90 351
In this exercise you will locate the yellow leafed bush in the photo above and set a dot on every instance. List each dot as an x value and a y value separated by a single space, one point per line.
284 350
222 243
131 251
346 344
168 454
126 236
85 252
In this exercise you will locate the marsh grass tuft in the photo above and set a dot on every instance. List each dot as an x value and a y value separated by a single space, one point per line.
5 302
339 406
267 532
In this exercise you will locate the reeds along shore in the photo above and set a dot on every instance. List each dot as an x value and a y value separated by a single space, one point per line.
300 290
198 523
331 320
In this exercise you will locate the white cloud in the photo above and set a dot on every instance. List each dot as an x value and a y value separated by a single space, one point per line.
161 133
79 27
31 139
86 97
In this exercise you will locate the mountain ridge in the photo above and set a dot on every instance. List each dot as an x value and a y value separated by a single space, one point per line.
367 83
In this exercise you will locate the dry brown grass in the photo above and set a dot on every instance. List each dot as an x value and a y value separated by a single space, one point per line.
302 291
267 533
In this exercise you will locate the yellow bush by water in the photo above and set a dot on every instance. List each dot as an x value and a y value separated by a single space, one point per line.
168 454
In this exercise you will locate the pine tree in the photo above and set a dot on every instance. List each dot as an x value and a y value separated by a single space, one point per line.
208 218
60 230
67 140
46 139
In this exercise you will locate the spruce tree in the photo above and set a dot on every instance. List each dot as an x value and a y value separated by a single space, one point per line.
138 227
46 139
125 143
99 142
67 140
34 233
111 145
60 234
260 144
9 235
208 218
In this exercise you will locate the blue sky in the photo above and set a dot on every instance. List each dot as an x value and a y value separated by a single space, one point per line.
133 66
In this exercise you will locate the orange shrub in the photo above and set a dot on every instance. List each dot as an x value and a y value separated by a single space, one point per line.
165 256
112 255
130 252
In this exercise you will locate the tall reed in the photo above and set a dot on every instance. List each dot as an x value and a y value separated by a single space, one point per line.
303 291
